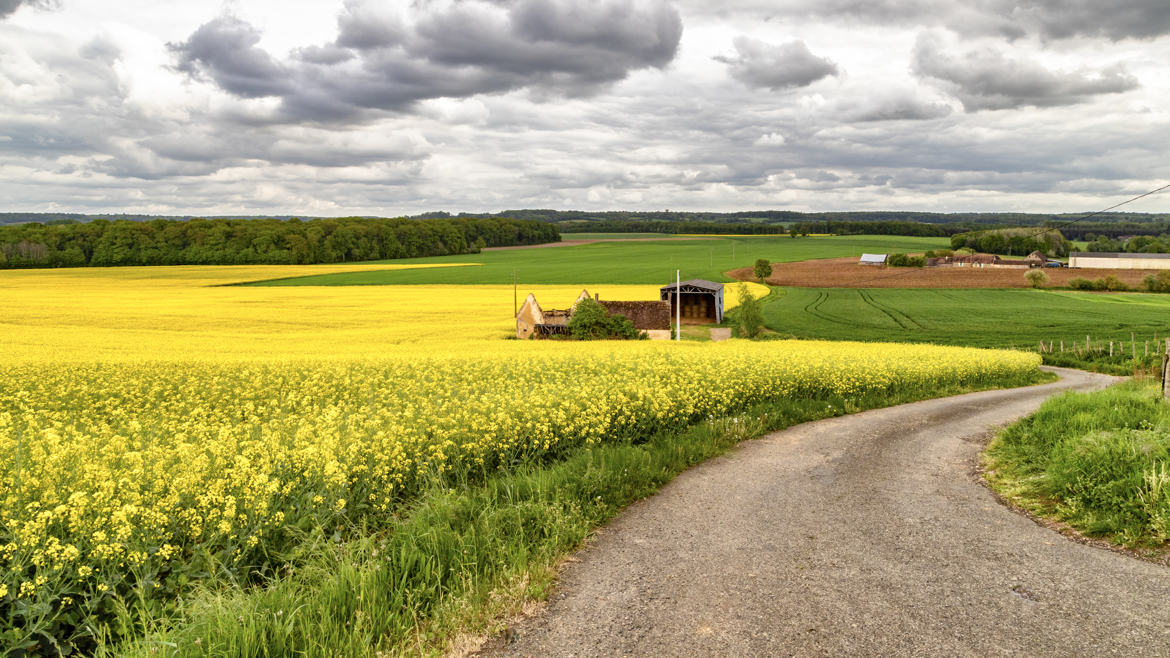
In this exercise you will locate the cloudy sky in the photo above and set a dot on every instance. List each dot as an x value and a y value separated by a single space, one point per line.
391 107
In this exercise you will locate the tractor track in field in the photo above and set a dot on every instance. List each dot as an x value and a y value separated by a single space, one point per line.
867 534
890 312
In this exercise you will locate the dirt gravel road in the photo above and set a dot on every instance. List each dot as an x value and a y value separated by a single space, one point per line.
867 535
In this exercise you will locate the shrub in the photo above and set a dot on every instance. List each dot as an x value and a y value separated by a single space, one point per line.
1111 282
903 260
591 321
930 253
749 313
1159 282
762 269
1081 283
1037 278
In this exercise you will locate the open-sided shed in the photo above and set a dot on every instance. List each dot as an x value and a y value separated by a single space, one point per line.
701 300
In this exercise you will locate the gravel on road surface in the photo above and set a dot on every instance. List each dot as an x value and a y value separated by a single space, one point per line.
868 534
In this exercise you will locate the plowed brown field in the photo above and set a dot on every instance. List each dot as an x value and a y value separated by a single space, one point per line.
846 273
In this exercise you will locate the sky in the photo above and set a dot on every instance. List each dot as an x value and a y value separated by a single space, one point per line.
361 107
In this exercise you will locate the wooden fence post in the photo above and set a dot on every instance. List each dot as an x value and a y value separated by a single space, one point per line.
1110 348
1165 365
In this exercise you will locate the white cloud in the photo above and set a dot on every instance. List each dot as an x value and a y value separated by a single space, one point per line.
770 139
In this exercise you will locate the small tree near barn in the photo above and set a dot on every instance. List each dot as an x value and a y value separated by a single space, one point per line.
762 270
749 316
1038 278
591 321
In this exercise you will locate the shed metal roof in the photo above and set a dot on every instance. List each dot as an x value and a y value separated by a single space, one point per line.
696 283
873 258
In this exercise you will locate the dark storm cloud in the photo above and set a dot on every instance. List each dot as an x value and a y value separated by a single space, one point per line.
1064 19
225 50
379 62
1048 19
9 7
988 80
785 66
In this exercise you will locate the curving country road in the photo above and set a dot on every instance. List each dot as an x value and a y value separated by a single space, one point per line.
868 534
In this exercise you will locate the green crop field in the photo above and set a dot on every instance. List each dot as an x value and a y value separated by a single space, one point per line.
624 261
982 318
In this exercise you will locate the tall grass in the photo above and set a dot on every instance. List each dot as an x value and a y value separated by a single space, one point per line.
1099 461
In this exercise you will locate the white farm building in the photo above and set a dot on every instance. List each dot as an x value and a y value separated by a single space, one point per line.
1119 261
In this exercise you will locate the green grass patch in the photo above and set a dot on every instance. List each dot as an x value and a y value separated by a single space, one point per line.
464 556
1018 318
1098 461
622 261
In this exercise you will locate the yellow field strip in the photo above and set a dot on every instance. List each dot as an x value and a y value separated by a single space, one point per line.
186 313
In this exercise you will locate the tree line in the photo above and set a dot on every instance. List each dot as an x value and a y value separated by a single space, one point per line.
257 241
1137 244
1013 242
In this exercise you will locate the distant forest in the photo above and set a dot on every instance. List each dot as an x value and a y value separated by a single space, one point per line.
102 242
1110 225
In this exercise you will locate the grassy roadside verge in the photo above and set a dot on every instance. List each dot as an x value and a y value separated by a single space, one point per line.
1099 462
463 557
1122 365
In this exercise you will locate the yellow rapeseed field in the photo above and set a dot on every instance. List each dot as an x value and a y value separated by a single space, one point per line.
189 312
155 426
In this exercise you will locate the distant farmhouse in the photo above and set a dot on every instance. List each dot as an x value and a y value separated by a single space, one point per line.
652 317
701 300
1034 259
1119 261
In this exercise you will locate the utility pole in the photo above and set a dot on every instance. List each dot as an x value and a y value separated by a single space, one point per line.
515 296
677 306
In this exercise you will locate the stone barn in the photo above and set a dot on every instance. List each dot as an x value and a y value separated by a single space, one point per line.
1036 259
652 317
701 300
